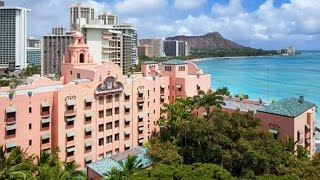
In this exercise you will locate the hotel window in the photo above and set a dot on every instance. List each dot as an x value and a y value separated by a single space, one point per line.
88 133
108 125
140 106
88 146
101 114
109 153
140 95
298 136
30 126
109 98
116 97
116 151
45 125
30 109
87 105
11 130
101 156
109 139
108 112
126 110
116 123
100 127
116 110
101 142
78 75
126 97
45 141
70 151
148 93
30 142
70 121
101 100
116 137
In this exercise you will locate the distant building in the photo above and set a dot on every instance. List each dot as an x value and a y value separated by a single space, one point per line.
291 117
109 19
59 31
53 49
155 44
130 30
1 3
78 11
171 47
291 50
13 36
33 43
34 56
146 50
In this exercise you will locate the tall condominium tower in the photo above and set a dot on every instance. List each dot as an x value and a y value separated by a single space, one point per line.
156 44
13 36
130 30
176 48
1 3
109 19
80 11
53 48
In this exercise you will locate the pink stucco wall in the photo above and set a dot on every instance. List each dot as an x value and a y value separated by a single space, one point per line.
155 89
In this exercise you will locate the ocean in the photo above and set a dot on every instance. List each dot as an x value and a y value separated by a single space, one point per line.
269 78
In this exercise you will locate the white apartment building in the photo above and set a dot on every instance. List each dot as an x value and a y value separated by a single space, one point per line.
13 36
109 19
80 11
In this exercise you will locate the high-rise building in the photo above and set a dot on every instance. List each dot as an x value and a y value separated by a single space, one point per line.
80 11
33 43
107 44
1 3
13 37
53 48
176 48
34 56
171 47
130 30
146 50
156 44
109 19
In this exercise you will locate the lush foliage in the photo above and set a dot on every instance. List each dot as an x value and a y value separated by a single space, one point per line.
19 165
230 143
129 167
30 70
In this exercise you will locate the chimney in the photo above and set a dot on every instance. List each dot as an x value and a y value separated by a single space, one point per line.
301 99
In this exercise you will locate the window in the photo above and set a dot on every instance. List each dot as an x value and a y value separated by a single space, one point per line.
70 151
78 75
88 118
109 153
126 97
298 136
126 110
116 97
154 89
71 138
109 139
88 105
109 112
101 100
45 141
126 136
45 125
109 99
11 132
70 123
101 156
140 95
109 125
70 72
148 92
88 148
116 137
100 141
30 142
154 111
116 123
116 151
30 109
101 114
88 133
127 123
116 110
140 106
100 127
30 126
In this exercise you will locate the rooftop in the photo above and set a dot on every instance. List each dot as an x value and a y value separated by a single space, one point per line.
174 62
105 165
38 89
290 107
150 62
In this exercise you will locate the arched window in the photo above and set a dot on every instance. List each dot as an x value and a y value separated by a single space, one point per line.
81 58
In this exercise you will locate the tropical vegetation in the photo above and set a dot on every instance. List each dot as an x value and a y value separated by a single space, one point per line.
19 165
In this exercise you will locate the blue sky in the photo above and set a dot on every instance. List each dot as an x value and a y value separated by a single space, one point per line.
267 24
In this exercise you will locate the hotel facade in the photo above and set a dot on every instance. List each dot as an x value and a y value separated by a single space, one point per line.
94 111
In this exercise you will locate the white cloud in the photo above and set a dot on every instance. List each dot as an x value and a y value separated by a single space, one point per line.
134 7
188 4
234 8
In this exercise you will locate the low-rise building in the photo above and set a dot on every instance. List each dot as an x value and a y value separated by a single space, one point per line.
94 111
291 117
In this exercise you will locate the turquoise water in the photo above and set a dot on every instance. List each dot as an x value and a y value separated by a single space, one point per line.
268 78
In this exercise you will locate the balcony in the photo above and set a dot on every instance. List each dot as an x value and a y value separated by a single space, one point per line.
70 112
45 113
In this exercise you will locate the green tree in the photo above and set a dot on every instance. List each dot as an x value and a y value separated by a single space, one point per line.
16 165
165 153
208 100
223 91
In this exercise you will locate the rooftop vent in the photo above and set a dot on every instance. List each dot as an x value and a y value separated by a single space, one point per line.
301 99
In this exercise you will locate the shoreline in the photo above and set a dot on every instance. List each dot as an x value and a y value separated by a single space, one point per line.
226 58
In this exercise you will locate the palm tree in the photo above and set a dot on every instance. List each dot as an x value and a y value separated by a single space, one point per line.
16 165
127 168
208 99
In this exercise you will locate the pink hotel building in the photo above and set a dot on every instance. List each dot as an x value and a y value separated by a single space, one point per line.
93 111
